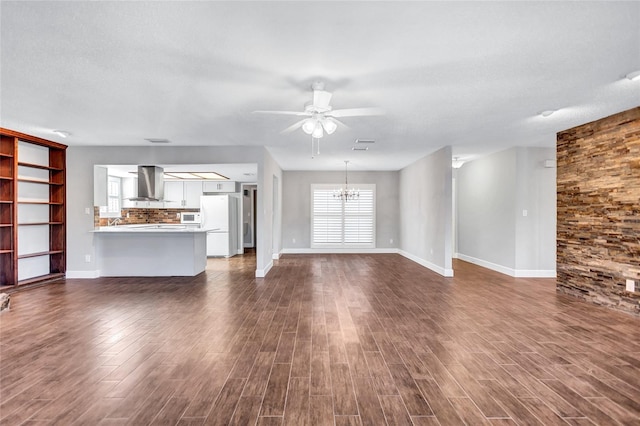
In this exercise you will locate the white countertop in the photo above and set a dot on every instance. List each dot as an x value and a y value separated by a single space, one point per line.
152 227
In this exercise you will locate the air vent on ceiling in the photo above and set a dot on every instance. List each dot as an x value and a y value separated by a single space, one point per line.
157 140
365 141
360 148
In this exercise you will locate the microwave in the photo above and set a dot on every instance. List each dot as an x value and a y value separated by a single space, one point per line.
190 217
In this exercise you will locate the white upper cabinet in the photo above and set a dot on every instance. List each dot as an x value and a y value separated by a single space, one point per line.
182 194
211 186
173 194
192 194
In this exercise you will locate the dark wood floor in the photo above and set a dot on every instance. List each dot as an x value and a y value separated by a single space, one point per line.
323 340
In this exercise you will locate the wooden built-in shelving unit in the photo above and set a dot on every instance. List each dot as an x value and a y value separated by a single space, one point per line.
32 209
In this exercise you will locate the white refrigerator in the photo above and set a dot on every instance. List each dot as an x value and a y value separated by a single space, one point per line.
219 214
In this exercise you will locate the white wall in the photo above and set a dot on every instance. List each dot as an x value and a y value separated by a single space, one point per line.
80 162
492 193
268 234
486 209
536 232
296 207
426 211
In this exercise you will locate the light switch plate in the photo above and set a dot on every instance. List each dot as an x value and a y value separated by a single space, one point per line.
631 285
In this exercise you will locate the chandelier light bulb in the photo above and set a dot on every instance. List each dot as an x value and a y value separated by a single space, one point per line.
345 193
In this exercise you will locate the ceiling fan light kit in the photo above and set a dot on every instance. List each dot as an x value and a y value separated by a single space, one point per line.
321 117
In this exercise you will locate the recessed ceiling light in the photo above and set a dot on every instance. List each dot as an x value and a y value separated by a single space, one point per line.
157 140
547 113
61 133
360 148
633 75
249 174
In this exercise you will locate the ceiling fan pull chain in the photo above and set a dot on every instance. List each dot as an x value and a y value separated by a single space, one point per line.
318 146
312 147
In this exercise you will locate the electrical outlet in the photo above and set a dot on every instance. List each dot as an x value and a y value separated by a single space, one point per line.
293 240
631 285
87 210
177 215
525 213
390 240
87 258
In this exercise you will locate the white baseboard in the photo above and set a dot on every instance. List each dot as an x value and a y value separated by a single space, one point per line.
82 274
516 273
275 256
261 273
338 250
535 273
435 268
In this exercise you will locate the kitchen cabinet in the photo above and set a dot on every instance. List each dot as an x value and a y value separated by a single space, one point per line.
192 194
129 190
182 194
211 186
32 209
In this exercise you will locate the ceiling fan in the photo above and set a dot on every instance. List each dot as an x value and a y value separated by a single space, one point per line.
320 117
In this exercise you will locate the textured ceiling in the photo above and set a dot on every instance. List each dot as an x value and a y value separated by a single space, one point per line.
472 75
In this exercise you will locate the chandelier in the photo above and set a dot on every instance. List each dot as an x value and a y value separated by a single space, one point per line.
345 193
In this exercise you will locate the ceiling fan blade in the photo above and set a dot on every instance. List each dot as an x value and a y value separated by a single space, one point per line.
321 99
340 123
354 112
294 126
298 113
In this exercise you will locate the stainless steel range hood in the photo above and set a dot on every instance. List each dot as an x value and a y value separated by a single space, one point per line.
150 184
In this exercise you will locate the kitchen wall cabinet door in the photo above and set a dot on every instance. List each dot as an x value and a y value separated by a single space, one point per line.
182 194
192 194
219 186
173 194
129 190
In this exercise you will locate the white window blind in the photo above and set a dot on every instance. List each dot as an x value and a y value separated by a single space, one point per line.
336 223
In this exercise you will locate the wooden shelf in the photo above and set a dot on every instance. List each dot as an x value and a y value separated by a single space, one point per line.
29 152
42 253
39 166
40 202
46 277
41 181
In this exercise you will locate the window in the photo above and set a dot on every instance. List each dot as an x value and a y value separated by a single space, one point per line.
342 224
114 200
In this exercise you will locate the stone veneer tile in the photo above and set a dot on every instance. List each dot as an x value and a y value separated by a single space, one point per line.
598 211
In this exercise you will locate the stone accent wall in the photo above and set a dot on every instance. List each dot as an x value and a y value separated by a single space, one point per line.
598 219
142 215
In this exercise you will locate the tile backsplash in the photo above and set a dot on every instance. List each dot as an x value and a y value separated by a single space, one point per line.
132 216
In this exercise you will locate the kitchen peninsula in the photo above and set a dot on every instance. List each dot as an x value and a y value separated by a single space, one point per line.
150 250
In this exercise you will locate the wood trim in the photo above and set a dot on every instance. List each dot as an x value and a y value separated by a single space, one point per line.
32 139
